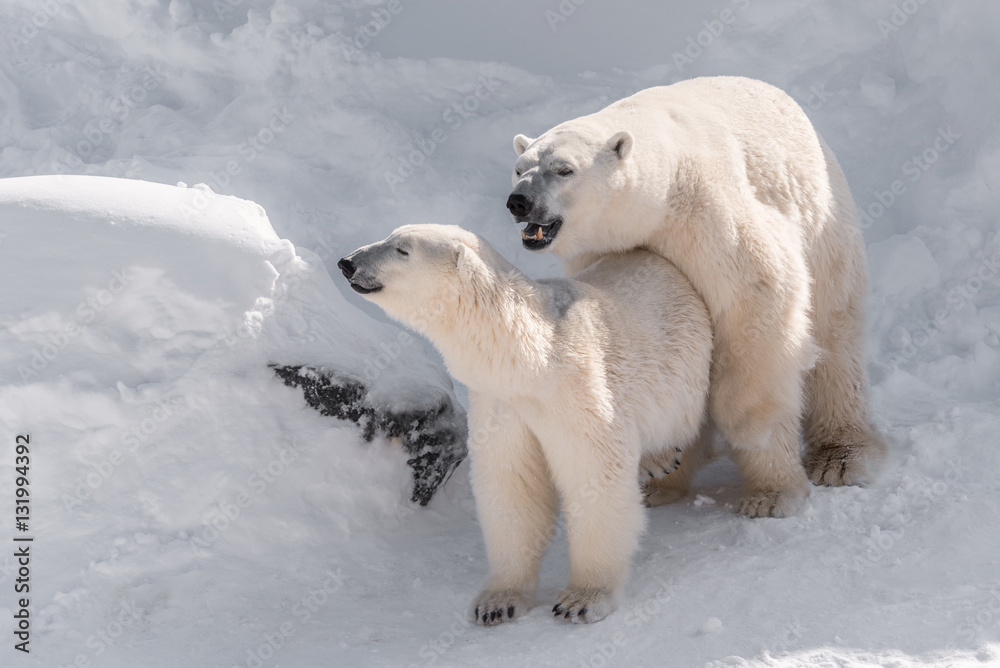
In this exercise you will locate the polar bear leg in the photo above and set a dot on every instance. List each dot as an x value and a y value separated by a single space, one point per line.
841 446
604 517
773 479
756 401
517 506
666 476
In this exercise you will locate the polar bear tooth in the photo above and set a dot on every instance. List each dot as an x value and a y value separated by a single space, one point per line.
538 234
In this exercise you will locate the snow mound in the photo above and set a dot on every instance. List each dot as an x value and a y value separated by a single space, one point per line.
158 279
138 327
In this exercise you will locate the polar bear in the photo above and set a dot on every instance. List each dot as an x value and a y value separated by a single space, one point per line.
571 383
726 178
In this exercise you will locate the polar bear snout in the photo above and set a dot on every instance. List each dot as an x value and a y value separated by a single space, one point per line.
362 278
519 205
347 267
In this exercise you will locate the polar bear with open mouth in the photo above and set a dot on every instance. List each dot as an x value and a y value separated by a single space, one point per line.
726 178
575 385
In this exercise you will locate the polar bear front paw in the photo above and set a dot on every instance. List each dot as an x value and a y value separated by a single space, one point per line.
582 606
494 606
771 503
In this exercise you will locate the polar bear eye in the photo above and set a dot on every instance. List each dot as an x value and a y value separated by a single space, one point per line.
564 171
401 252
517 172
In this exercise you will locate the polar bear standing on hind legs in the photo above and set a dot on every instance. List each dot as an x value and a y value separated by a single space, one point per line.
726 178
571 384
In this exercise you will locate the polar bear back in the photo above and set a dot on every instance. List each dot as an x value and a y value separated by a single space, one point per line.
701 115
747 136
659 343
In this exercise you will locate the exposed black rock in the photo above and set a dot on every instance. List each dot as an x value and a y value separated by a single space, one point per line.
433 437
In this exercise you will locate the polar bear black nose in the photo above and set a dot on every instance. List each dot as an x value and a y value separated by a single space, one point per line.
519 205
347 267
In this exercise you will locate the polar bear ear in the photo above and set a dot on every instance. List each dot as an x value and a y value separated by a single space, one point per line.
469 264
621 144
520 143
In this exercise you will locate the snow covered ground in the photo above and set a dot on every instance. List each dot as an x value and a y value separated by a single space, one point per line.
238 527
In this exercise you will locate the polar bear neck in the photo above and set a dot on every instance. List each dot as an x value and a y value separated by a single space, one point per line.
499 338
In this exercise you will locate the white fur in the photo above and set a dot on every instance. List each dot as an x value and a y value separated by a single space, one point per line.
727 179
570 382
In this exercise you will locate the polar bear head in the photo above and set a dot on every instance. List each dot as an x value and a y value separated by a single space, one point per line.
564 183
419 272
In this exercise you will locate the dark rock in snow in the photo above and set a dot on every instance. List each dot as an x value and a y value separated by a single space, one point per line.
434 437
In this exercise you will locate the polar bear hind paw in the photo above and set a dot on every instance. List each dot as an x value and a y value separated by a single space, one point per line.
838 464
494 607
658 496
770 503
658 486
584 606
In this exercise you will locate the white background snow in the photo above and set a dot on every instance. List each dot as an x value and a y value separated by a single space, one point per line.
341 136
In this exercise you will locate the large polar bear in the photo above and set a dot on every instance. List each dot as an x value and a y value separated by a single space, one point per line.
570 382
726 178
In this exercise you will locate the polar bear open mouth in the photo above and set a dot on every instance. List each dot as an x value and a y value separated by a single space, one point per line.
537 237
